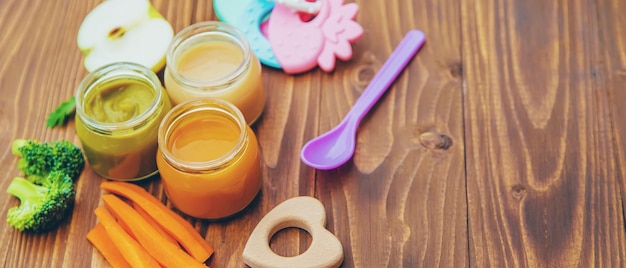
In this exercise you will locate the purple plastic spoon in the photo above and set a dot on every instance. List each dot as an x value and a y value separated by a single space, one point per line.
335 147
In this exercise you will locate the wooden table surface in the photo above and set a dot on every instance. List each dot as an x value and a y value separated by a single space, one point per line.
503 143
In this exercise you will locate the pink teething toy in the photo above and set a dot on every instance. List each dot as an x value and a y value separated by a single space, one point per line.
300 46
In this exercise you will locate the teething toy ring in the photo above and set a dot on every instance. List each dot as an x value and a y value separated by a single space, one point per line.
292 44
303 212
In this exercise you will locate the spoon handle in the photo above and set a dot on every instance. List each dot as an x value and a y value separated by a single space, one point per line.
394 65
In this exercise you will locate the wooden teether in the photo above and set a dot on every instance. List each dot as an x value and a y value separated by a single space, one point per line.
303 212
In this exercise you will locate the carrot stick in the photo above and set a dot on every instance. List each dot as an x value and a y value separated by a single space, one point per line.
102 242
173 223
127 246
165 252
126 229
153 223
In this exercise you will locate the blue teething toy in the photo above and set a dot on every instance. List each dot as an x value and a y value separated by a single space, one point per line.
247 16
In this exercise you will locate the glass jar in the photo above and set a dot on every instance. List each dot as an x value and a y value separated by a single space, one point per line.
208 159
118 111
213 59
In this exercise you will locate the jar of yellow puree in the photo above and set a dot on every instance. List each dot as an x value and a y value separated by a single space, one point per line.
213 59
208 159
118 111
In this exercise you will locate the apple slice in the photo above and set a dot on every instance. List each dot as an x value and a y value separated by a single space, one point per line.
124 30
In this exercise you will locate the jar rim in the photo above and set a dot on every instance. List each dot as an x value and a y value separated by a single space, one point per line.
189 108
225 30
111 72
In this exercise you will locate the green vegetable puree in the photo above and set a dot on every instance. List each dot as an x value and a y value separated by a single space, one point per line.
127 153
119 101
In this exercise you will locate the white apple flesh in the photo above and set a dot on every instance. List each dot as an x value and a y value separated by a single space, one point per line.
124 30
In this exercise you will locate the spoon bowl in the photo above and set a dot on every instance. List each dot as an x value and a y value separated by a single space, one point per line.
332 148
335 147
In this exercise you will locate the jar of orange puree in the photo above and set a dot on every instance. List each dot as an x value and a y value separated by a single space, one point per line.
118 111
208 158
213 59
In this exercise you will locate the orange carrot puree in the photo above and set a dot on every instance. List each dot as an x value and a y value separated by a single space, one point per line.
224 189
204 139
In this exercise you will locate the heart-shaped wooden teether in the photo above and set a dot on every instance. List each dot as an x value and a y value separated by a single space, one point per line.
302 212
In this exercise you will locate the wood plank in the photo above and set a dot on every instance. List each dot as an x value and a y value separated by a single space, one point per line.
612 28
400 202
542 188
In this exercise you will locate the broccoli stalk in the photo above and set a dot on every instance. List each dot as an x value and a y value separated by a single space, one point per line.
41 207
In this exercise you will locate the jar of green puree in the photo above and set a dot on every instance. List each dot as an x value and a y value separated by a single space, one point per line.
118 111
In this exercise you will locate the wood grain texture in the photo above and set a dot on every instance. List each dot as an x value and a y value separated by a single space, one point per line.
542 184
403 201
501 145
612 27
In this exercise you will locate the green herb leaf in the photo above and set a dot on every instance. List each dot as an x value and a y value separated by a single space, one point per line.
62 113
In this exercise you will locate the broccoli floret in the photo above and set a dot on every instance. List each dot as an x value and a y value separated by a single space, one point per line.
35 158
42 207
38 159
68 158
47 192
